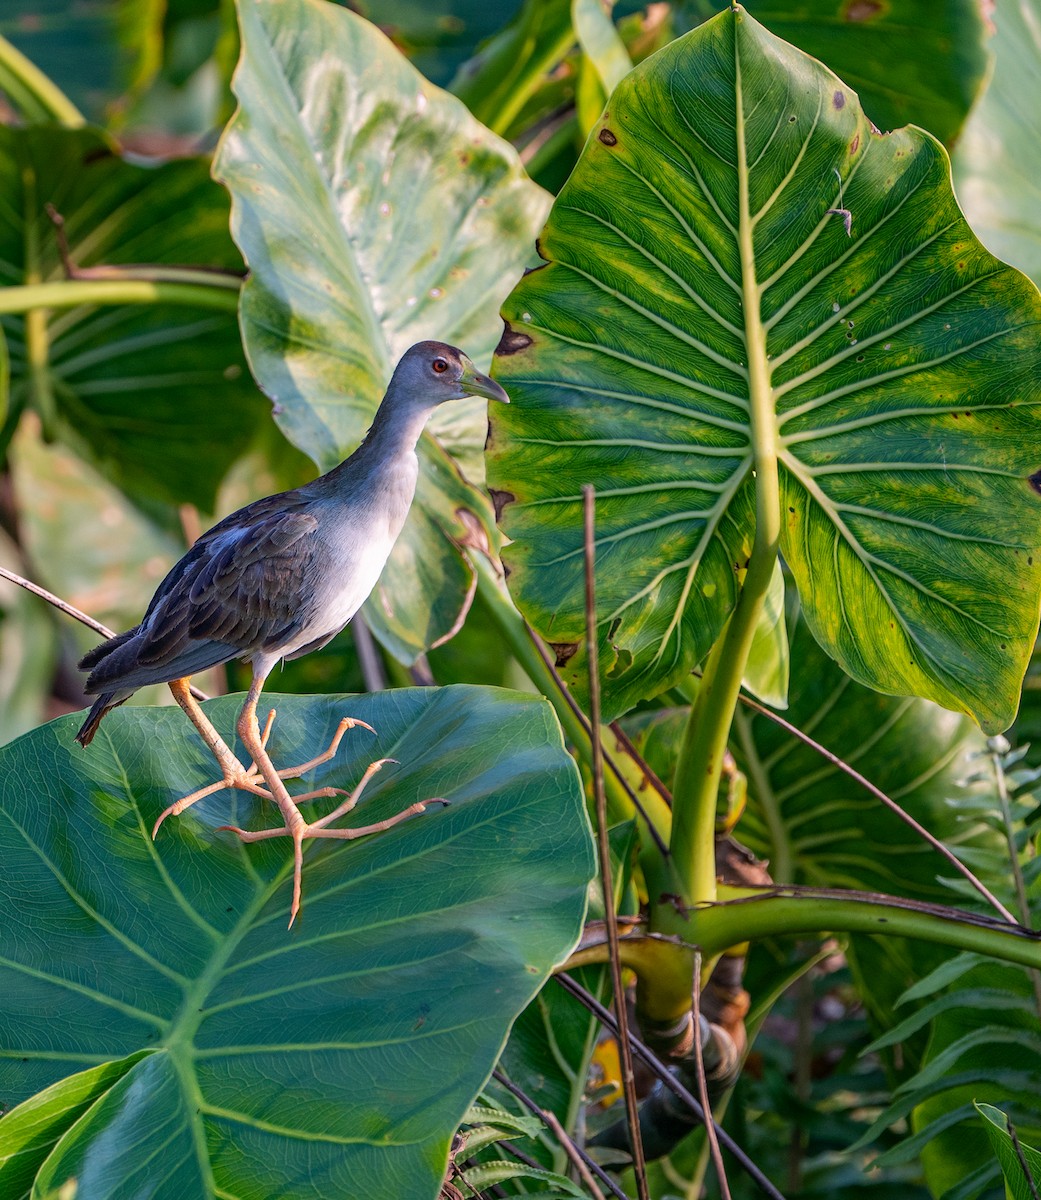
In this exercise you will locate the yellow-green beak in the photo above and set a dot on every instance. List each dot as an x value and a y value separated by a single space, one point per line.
473 383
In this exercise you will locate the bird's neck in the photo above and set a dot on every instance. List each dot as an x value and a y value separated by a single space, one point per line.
394 433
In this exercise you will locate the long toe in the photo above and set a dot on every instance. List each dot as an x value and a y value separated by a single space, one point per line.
329 752
245 782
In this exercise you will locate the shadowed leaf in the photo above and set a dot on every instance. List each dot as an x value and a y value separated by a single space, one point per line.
333 1059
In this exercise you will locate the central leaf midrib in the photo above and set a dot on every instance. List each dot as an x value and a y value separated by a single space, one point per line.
763 430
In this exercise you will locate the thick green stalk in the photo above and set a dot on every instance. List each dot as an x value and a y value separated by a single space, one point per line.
39 100
753 913
763 912
222 293
700 765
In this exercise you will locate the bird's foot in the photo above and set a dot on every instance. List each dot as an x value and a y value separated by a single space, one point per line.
245 780
249 779
300 830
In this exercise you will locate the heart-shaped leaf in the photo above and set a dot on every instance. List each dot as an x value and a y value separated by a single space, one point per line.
374 212
130 387
333 1059
746 283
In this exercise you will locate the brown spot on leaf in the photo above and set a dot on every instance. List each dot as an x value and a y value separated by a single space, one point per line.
864 10
1035 481
473 533
500 500
838 100
564 651
854 146
512 341
607 137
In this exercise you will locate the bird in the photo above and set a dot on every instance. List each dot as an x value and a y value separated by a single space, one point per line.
276 580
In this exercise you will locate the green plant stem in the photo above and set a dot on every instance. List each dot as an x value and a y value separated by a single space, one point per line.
753 913
511 625
700 765
74 292
39 100
513 68
996 747
763 912
780 849
37 339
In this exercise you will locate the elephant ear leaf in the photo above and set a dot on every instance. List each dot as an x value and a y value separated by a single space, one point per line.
374 212
757 308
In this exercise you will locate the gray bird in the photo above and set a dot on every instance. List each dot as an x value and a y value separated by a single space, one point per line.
278 579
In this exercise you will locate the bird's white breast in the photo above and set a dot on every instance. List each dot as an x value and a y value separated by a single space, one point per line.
359 541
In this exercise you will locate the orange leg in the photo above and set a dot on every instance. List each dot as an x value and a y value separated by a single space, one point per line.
233 773
295 826
262 771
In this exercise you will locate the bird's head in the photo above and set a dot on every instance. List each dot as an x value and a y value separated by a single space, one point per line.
432 372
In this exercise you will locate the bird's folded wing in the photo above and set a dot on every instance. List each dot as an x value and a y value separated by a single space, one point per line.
244 585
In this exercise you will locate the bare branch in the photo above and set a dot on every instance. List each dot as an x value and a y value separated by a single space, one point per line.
71 610
625 1053
570 1146
891 804
671 1082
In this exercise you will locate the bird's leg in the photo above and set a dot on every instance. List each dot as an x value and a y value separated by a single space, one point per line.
233 773
229 764
295 826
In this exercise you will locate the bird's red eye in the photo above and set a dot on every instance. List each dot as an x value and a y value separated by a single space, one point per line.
439 365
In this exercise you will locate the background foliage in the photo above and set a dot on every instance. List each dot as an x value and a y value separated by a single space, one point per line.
384 180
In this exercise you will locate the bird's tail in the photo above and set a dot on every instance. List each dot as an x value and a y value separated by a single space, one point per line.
102 705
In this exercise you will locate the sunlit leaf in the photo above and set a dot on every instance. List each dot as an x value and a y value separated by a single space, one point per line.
374 212
997 162
703 309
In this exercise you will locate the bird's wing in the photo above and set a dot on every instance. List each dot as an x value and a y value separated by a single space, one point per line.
243 584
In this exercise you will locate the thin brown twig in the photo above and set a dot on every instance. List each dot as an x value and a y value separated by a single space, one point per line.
571 1150
71 610
1023 1164
583 720
891 804
62 605
662 1072
699 1059
625 1054
590 1164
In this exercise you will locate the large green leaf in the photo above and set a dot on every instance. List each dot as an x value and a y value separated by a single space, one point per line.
997 163
701 243
920 62
155 395
374 212
333 1059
